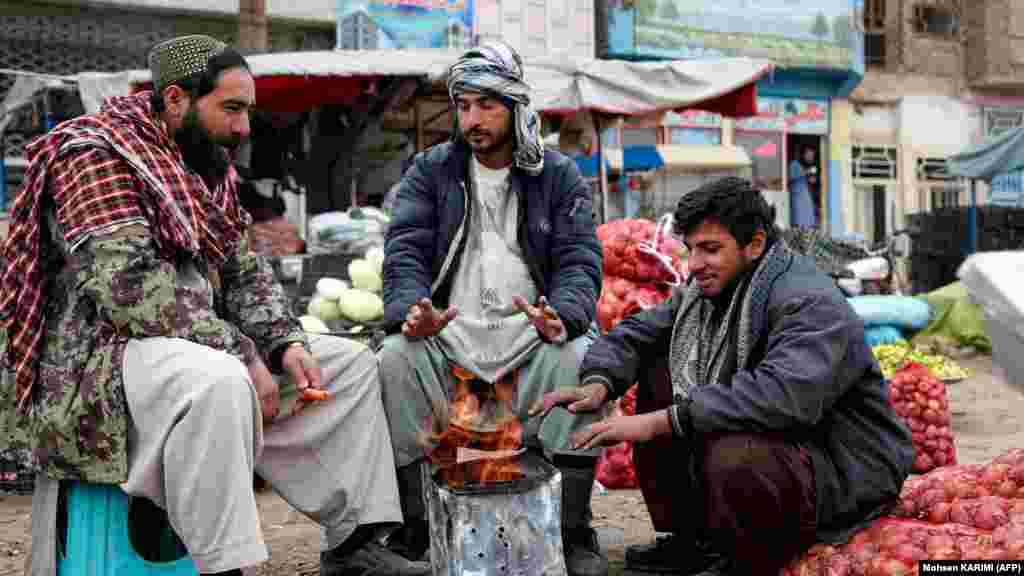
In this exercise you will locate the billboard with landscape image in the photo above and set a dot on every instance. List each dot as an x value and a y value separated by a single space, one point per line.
807 33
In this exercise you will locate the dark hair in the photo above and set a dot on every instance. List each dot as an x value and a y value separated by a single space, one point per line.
201 84
732 202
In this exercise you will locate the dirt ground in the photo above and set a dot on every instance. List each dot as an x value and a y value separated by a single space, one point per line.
988 419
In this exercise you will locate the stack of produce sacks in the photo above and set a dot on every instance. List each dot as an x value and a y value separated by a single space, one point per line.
966 512
920 399
356 300
642 263
917 391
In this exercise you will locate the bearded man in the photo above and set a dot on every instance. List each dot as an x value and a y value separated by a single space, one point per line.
492 268
151 349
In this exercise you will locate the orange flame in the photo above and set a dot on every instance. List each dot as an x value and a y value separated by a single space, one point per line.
463 432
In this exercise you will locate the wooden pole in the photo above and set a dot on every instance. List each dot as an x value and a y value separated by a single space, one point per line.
252 26
602 171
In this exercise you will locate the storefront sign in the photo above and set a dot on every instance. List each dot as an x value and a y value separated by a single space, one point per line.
694 119
405 24
807 33
788 115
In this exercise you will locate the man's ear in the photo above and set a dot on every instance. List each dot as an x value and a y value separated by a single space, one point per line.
757 245
176 100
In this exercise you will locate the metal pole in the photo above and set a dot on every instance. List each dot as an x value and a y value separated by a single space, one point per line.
602 171
972 220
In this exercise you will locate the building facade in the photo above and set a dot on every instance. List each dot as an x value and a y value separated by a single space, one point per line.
803 104
533 27
941 75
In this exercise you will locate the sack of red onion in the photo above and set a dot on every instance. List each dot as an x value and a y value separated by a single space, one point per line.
963 512
983 496
621 297
615 469
920 399
638 250
893 547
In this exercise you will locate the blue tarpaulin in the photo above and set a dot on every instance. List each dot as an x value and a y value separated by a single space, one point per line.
997 156
987 161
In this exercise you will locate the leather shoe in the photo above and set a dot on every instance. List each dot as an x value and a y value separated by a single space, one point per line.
372 559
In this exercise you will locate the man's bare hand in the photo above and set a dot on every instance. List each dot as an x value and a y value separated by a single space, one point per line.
545 319
587 398
424 321
638 428
266 390
304 371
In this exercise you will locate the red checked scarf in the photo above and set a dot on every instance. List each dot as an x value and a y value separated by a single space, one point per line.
183 214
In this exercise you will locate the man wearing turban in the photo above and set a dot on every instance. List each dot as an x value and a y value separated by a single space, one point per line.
152 349
492 272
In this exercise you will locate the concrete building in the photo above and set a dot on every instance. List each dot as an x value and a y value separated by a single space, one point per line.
940 76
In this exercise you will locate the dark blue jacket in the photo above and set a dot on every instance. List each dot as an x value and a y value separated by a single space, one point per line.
810 376
427 235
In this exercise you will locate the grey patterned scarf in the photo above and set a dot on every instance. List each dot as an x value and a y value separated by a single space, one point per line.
698 350
495 68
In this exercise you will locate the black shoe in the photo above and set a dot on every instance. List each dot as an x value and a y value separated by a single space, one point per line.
674 554
411 541
372 559
583 556
719 566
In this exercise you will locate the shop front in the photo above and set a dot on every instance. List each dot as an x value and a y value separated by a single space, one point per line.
800 140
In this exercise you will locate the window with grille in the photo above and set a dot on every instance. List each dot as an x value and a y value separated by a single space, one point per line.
933 169
874 14
999 120
935 20
874 162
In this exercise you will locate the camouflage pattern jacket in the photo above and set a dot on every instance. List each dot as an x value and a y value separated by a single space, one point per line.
78 426
118 285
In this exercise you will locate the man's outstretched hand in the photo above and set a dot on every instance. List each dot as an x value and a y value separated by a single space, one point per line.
638 428
543 317
424 321
577 399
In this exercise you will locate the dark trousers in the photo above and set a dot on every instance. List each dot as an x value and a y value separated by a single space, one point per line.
752 496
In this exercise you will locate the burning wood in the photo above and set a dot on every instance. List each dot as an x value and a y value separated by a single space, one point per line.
483 438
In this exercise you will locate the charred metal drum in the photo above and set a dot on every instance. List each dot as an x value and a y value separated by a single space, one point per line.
496 528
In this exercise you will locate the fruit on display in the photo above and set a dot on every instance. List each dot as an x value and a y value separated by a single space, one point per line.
892 357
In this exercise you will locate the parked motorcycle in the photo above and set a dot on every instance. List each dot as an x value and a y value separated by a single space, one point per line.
857 268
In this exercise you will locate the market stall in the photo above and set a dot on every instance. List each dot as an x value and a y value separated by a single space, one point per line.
376 83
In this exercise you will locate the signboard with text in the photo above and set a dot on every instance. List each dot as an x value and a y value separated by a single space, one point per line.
793 115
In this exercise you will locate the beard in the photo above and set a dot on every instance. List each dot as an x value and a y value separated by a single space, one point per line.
201 151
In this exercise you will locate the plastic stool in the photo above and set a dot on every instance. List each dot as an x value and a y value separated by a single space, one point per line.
98 542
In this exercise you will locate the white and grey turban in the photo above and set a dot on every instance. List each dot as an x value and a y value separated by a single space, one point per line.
495 69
